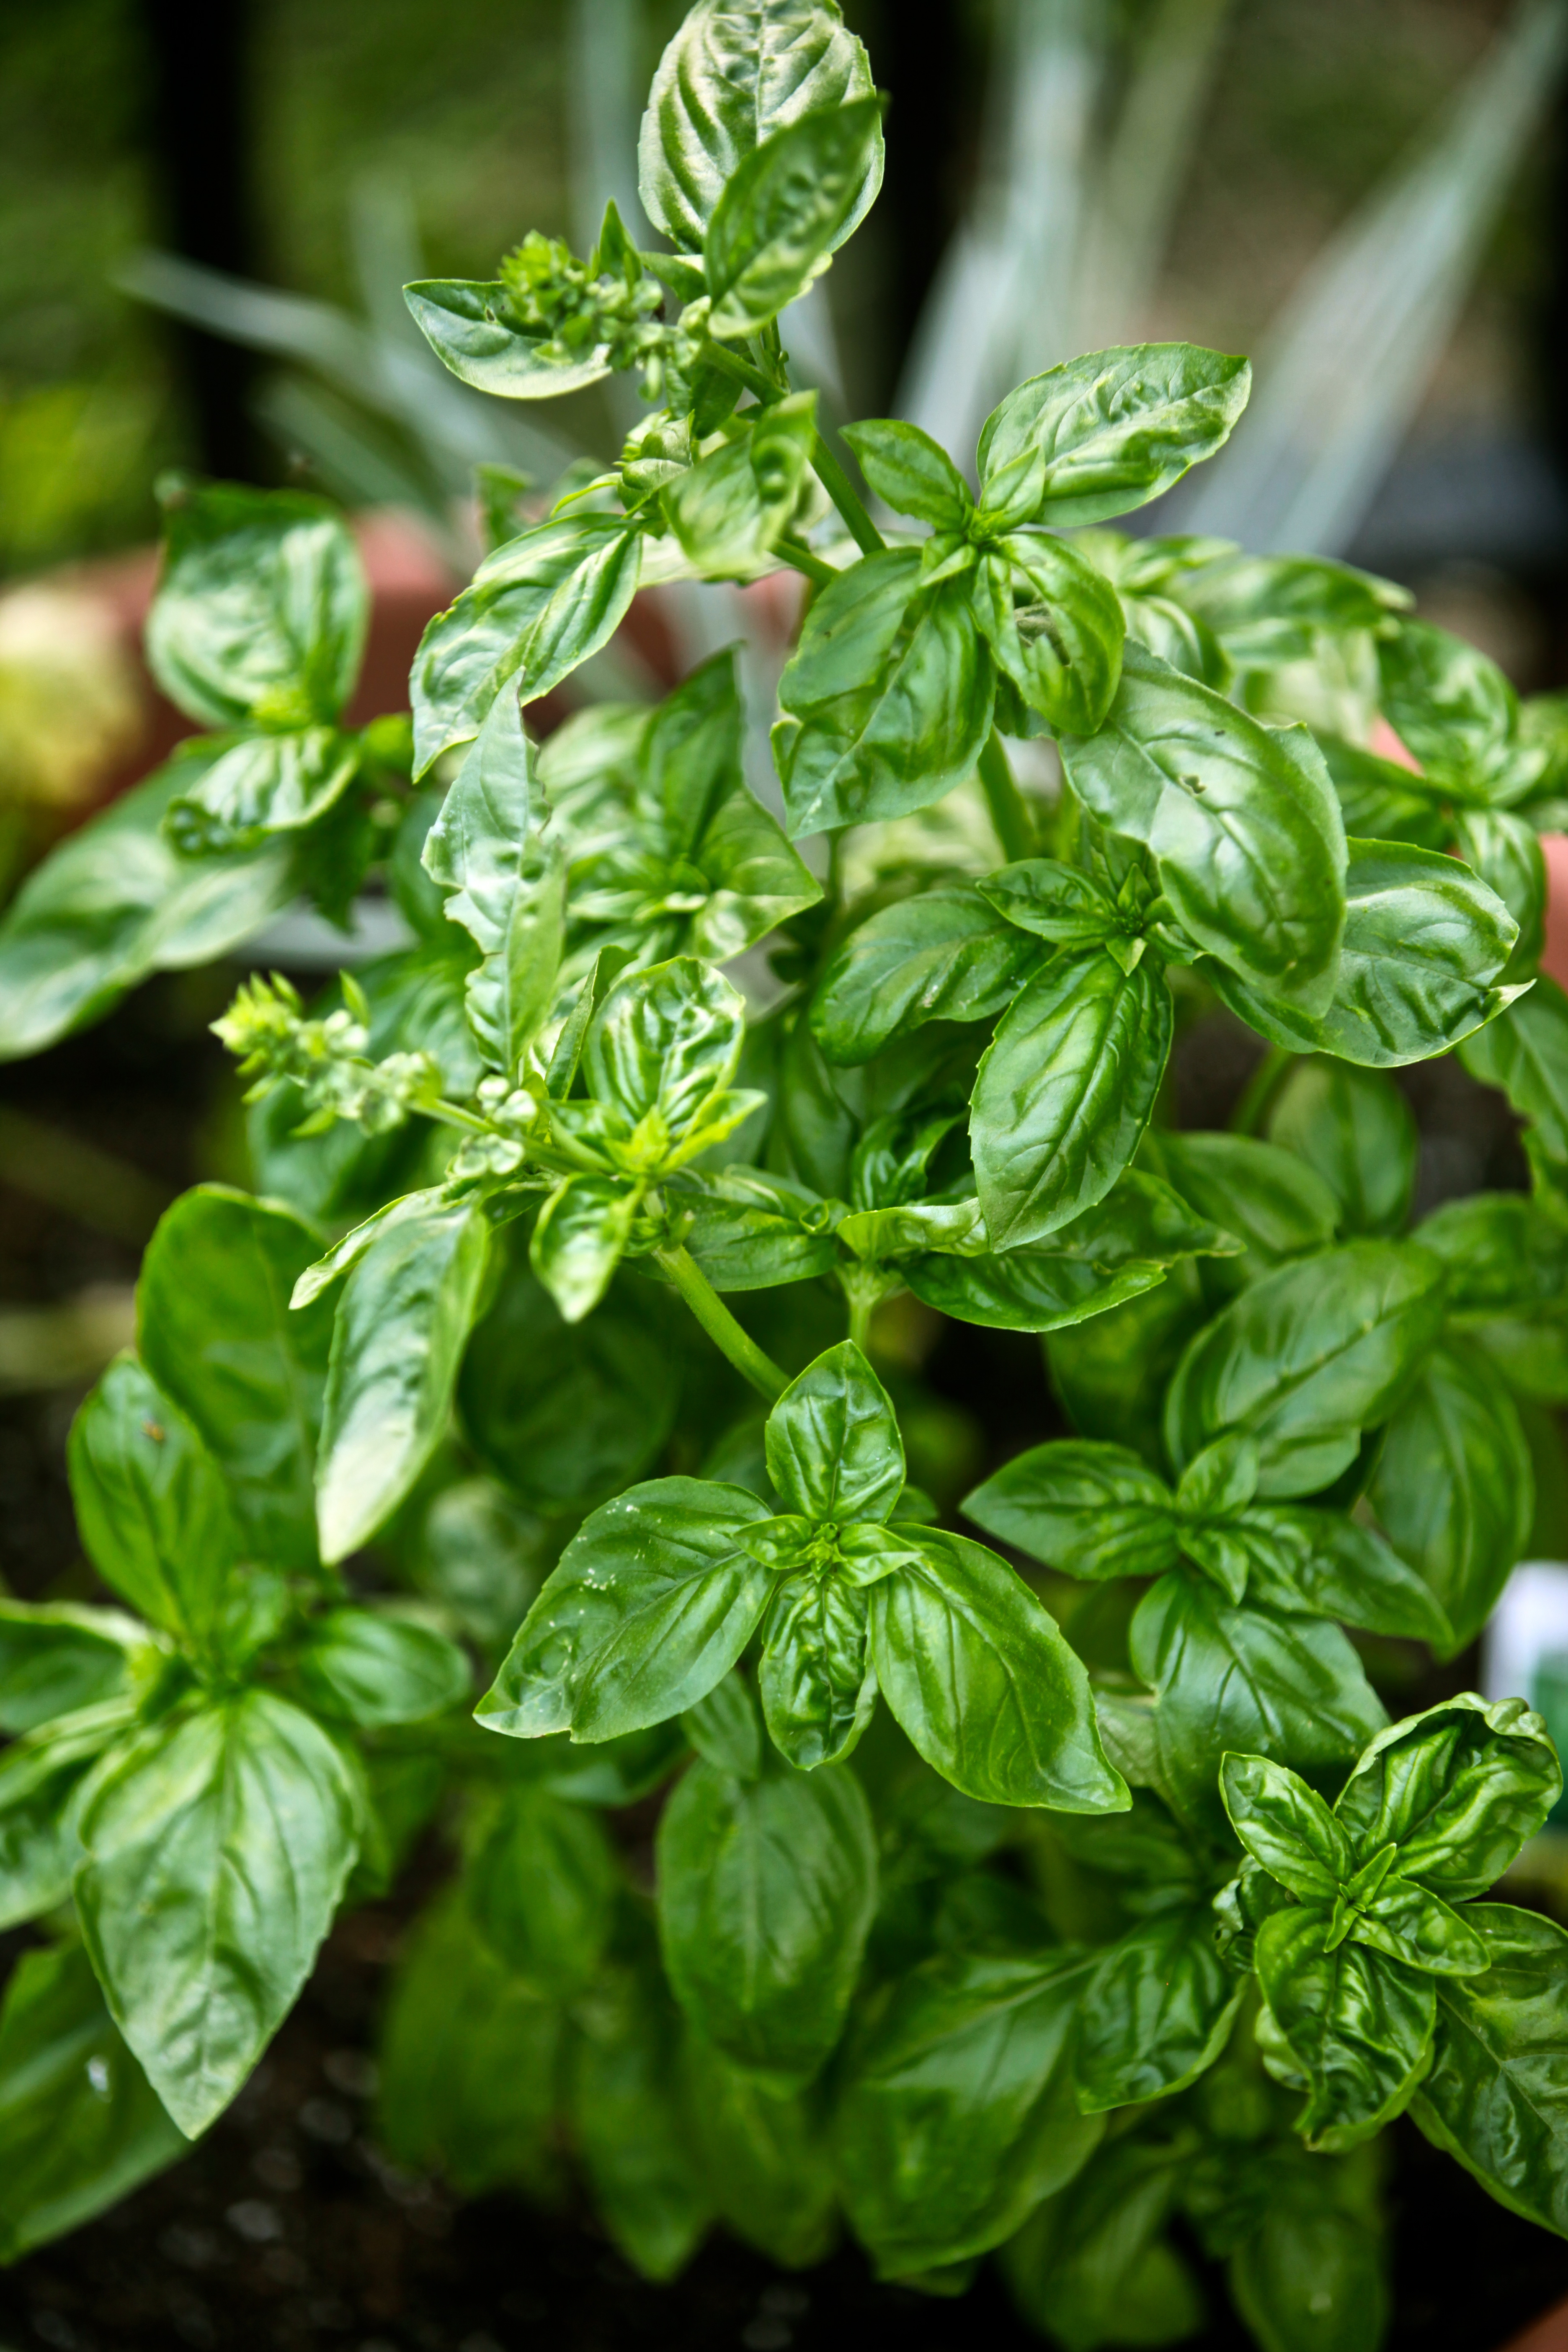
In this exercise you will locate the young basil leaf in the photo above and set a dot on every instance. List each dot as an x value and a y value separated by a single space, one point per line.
151 1503
1359 2025
42 1774
1491 2098
58 1656
818 1685
627 2112
912 472
261 785
469 324
1100 435
507 887
81 2126
665 1040
833 1444
397 1340
1065 1089
784 209
579 1238
1241 819
728 81
1089 1510
261 607
1525 1052
470 2061
1285 1827
766 2158
535 608
750 1231
372 1669
1358 1132
217 1849
957 2115
1454 1486
1156 2012
652 1603
215 1332
1459 1789
765 1892
1055 626
730 510
945 955
983 1682
1420 1930
1306 1358
1254 1679
544 1891
689 755
114 901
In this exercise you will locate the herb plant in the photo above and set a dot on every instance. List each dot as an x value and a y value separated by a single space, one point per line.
992 1908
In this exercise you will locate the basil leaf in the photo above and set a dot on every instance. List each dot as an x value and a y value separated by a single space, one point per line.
957 2116
725 1730
653 1601
536 609
766 1890
912 472
1285 1827
1254 1679
1493 2097
750 1231
1275 1205
261 607
1504 852
1459 1789
985 1684
1055 626
1124 1245
1156 2012
57 1656
833 1446
765 2159
1359 2025
1090 2263
1358 1132
1100 435
665 1040
81 2126
507 887
1267 610
579 1238
41 1780
818 1686
1310 2277
1382 802
1241 819
1525 1052
262 785
215 1332
1306 1358
567 1414
1454 1488
1342 1569
468 324
1500 1252
729 510
784 209
945 955
114 901
1089 1510
732 76
373 1669
217 1849
1064 1091
626 2115
1456 712
152 1505
1112 1373
544 1891
397 1340
1419 1929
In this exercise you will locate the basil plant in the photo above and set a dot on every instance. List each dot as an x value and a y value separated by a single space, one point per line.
538 1461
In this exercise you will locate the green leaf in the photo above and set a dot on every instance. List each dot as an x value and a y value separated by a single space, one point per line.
725 1730
910 471
733 76
1065 1089
1306 1358
373 1669
216 1333
1156 2012
579 1238
652 1603
1090 2263
1111 1373
628 2115
945 955
1342 1569
1285 1827
57 1656
1420 1930
1359 2025
1055 626
1505 852
766 2158
1087 1508
402 1322
536 608
1525 1052
262 785
543 1890
1267 610
81 2126
261 607
152 1505
1241 818
507 886
216 1853
567 1414
783 210
1382 802
468 324
1310 2279
729 510
833 1445
1255 1679
1357 1131
750 1231
116 900
1100 435
665 1040
1497 2095
818 1686
1454 1488
1459 1789
41 1780
766 1890
1456 712
983 1682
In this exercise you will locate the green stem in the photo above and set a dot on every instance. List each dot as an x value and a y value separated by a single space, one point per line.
1006 801
801 559
730 362
1259 1091
452 1115
720 1325
835 482
862 1306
